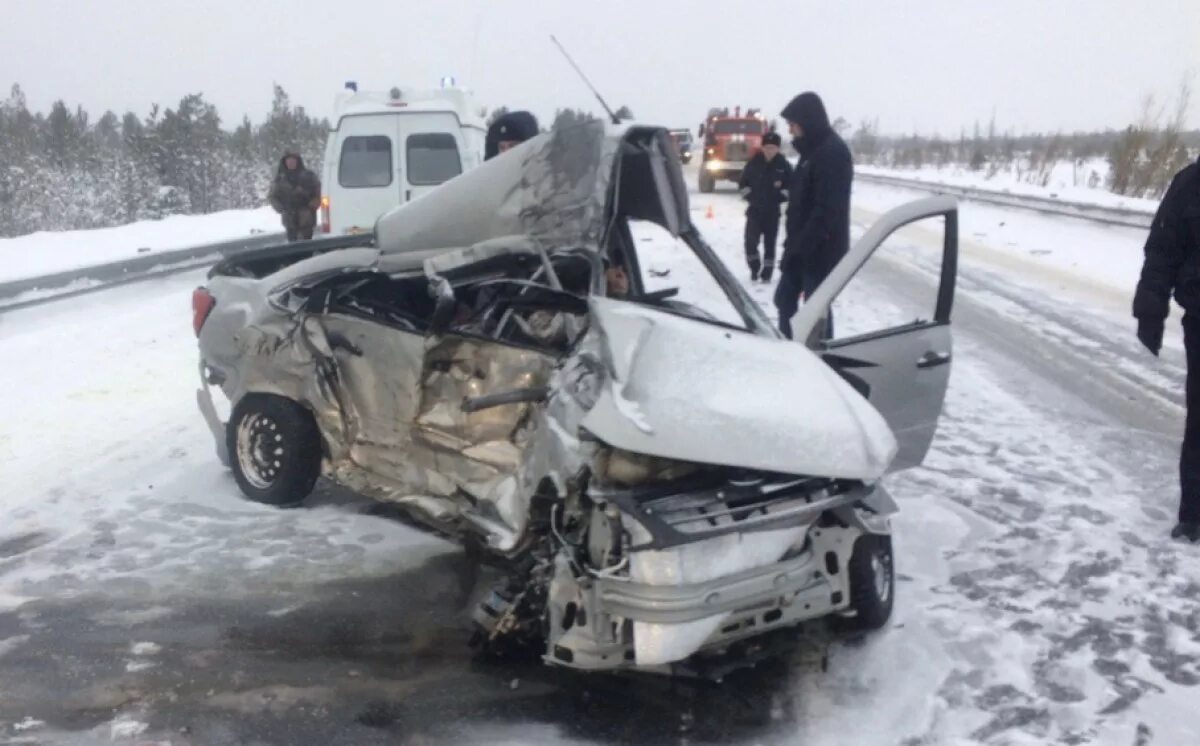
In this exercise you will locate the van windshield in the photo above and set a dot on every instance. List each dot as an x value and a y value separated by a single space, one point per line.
366 161
432 158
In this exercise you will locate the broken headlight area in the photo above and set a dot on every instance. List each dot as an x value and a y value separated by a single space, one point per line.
673 502
654 561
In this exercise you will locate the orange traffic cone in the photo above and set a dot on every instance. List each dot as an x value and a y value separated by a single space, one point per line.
709 213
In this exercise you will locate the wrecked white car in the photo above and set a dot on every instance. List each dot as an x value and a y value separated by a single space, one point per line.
492 363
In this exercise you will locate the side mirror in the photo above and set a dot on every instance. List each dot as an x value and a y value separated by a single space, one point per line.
444 304
700 130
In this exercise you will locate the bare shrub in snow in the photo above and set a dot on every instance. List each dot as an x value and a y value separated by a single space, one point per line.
1148 154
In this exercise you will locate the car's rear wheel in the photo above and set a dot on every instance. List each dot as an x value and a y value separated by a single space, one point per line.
707 182
872 582
274 449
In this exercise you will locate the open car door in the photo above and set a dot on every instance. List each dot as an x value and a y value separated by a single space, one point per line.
897 351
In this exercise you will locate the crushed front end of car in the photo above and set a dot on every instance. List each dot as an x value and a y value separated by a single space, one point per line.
662 489
695 518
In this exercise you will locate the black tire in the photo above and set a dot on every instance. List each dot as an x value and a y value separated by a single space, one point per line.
707 182
871 594
286 476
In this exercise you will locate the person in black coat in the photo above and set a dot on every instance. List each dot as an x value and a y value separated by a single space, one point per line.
818 214
1172 266
764 185
508 131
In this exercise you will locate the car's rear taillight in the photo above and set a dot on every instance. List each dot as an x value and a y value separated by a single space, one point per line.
326 221
202 306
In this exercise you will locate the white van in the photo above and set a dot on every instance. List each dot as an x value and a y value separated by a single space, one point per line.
386 149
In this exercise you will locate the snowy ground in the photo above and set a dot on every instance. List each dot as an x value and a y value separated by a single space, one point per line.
1083 183
1078 260
40 254
141 600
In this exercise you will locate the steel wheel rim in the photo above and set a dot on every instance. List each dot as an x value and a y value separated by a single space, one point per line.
260 450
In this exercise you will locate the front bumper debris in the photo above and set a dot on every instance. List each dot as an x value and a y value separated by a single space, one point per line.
797 579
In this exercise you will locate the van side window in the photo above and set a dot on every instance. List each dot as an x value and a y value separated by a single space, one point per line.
432 158
366 162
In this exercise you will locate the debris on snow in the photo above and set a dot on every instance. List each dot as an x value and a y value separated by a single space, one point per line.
126 727
28 724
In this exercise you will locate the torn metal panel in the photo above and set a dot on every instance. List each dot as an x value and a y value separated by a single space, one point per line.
378 374
389 404
552 189
495 248
413 438
458 368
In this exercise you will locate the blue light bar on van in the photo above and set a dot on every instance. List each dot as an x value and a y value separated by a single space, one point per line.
351 86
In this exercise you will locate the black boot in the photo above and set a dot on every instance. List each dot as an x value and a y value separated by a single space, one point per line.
1186 530
766 274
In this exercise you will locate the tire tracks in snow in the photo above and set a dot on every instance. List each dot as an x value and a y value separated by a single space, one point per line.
1036 575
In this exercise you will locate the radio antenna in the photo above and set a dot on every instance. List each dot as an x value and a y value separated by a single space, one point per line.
587 82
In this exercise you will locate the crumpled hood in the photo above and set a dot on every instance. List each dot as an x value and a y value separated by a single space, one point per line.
694 391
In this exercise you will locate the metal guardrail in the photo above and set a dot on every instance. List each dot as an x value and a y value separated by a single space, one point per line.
59 285
1128 217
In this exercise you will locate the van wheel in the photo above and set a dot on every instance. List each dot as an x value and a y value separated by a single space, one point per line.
872 582
274 449
707 182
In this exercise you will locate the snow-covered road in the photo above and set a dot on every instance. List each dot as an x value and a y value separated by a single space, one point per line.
1039 601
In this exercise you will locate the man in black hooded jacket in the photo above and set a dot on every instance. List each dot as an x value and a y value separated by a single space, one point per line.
764 185
818 214
508 131
1172 265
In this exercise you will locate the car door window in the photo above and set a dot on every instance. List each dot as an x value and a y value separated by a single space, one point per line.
432 158
366 161
897 288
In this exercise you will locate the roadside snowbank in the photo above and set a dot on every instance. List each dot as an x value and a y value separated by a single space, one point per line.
45 253
1077 261
1066 181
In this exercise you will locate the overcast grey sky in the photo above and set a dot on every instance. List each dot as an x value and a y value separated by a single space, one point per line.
919 65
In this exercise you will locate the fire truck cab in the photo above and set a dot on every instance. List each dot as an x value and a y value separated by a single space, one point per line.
730 141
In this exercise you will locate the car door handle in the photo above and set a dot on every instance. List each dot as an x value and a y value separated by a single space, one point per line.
933 359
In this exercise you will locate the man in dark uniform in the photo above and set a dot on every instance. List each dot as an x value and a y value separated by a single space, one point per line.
818 214
508 131
764 185
295 195
1172 265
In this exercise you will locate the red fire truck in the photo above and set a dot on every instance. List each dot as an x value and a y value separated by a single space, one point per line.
730 140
